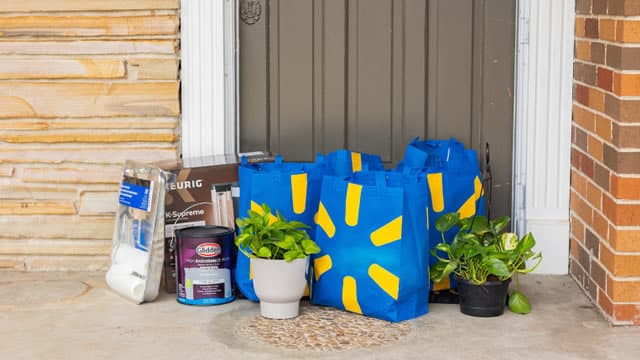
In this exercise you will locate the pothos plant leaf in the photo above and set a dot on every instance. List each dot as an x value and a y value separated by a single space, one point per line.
496 267
526 243
441 270
264 252
518 303
287 242
266 236
480 225
508 241
482 249
499 224
447 221
310 246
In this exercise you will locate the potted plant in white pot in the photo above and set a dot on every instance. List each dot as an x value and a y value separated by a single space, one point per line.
279 253
483 260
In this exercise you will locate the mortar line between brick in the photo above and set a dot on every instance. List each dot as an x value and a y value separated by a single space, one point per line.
609 42
585 223
617 201
631 150
605 115
595 135
628 279
623 253
616 227
625 97
604 66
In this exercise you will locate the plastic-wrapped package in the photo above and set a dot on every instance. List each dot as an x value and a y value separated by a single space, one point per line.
138 236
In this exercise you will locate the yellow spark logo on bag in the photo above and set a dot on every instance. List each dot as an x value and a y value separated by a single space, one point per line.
372 230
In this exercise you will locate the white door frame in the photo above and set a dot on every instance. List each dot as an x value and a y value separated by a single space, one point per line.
542 127
542 108
209 77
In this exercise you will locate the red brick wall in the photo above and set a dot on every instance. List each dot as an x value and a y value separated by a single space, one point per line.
605 158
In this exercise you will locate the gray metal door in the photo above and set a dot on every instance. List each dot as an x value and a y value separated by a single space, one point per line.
370 75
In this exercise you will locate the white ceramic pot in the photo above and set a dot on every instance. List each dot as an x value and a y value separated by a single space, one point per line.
279 285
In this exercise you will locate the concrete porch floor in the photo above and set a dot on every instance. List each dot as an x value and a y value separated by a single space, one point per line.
74 316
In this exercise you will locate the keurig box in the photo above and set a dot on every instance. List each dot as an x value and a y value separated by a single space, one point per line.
205 193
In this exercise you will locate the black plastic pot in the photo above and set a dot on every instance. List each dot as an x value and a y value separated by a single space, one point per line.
484 300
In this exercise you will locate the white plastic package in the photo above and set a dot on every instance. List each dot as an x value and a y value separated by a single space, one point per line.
138 238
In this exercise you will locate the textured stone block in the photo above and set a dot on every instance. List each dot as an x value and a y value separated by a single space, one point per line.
90 123
20 192
30 68
83 25
87 47
48 99
6 171
87 137
29 207
11 264
56 227
105 175
55 247
87 5
153 69
98 203
67 263
87 154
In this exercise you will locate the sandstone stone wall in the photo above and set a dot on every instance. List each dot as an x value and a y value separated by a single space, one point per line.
84 85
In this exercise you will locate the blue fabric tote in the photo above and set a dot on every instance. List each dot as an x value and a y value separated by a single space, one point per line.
372 231
454 182
345 162
292 188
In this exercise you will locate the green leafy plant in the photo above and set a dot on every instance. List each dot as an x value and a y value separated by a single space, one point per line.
265 236
481 251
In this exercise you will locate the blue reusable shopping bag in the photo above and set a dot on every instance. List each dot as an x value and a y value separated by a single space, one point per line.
345 162
372 231
292 188
454 181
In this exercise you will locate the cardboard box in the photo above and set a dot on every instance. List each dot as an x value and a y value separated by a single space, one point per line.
204 188
193 200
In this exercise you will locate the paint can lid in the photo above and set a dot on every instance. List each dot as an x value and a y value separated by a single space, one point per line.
204 232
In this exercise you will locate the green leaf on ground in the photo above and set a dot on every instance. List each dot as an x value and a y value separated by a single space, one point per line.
518 303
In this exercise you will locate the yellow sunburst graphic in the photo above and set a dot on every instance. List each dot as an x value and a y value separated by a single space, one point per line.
436 188
386 234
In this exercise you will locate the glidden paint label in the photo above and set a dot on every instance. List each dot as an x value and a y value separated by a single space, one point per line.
204 269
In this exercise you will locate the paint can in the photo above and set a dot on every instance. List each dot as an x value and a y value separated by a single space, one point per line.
204 260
